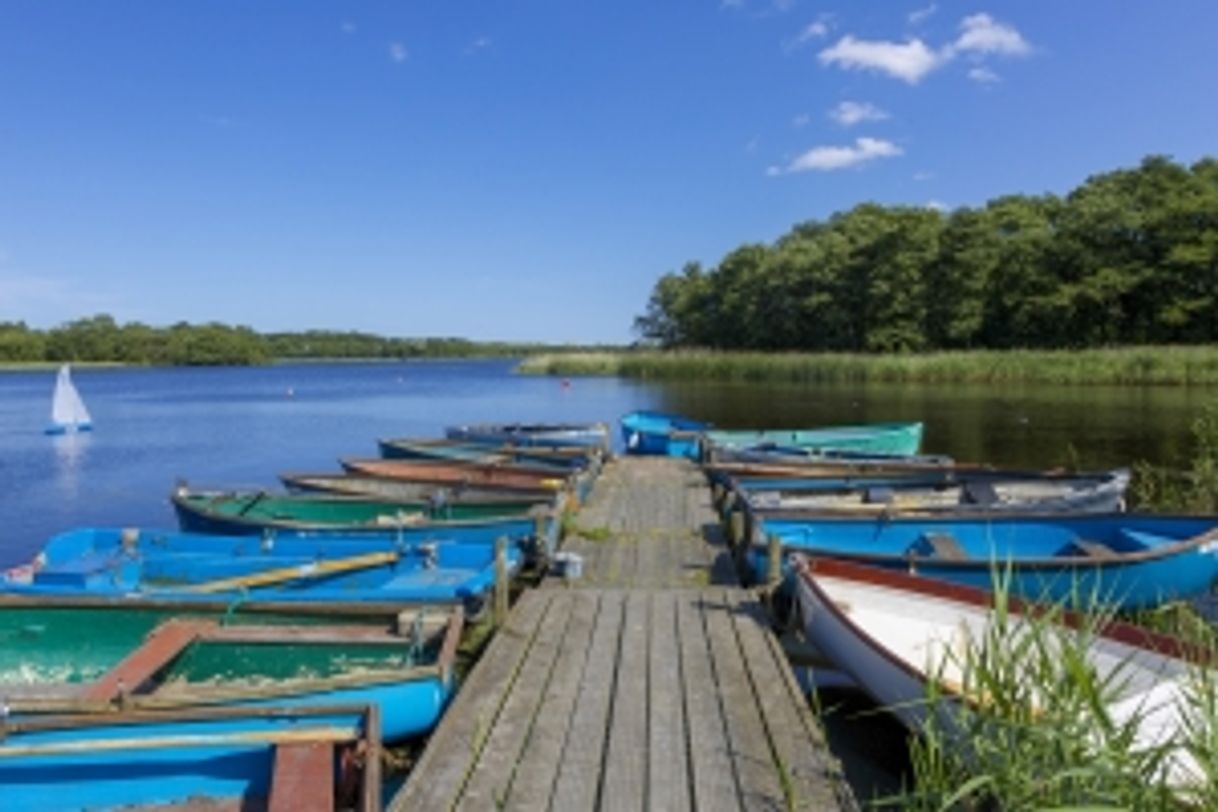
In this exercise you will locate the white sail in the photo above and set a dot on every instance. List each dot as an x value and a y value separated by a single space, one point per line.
68 412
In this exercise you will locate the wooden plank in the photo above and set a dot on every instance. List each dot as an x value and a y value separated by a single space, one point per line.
579 775
363 635
756 772
491 778
626 757
440 774
162 645
810 774
713 775
667 748
303 778
538 766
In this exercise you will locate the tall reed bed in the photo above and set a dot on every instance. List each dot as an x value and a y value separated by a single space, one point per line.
1041 729
1167 366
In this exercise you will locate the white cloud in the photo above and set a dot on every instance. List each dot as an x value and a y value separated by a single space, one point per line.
818 29
848 113
830 158
479 44
982 34
937 205
801 120
398 52
909 61
983 75
348 27
920 15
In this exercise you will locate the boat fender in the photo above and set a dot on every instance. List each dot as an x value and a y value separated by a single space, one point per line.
268 540
430 553
129 538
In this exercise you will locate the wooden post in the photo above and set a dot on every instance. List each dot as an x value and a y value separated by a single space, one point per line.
501 581
539 536
775 560
717 496
735 528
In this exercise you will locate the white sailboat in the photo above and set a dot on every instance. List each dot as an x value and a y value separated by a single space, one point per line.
68 412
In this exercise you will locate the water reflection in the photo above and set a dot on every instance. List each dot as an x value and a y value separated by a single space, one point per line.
71 452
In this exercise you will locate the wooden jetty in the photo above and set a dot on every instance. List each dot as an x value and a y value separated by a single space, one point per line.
649 683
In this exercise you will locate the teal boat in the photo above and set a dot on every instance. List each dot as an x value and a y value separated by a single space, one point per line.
875 438
116 706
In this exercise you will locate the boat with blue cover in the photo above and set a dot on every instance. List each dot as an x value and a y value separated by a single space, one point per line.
1128 560
533 434
326 568
670 435
238 513
876 438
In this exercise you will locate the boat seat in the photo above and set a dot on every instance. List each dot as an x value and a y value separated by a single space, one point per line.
937 545
979 492
879 495
1086 548
1145 541
87 570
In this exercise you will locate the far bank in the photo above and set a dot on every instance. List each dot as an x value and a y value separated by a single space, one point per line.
1132 366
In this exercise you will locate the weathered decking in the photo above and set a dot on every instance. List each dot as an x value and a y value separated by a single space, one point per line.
674 696
649 524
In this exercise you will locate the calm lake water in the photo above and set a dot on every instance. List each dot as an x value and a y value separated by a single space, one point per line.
242 426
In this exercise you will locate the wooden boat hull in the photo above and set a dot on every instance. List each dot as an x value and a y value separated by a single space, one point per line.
327 568
451 474
659 433
980 495
387 488
534 434
557 458
880 438
236 514
1131 561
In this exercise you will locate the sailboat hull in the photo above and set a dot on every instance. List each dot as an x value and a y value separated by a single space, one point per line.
68 429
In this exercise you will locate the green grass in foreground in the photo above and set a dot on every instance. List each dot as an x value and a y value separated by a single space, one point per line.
1168 366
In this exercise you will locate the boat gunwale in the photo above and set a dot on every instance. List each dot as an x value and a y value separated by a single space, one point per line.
1079 561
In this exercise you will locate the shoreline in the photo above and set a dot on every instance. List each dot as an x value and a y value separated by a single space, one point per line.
1184 365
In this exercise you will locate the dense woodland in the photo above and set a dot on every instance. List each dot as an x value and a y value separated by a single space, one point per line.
1129 257
102 339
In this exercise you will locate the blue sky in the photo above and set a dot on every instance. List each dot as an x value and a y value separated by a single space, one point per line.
527 170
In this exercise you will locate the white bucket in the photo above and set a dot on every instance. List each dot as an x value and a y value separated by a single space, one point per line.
570 565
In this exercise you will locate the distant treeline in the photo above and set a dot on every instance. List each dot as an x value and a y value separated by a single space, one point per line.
101 339
1129 257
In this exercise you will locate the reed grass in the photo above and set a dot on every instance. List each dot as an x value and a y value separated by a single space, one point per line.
1039 731
1148 365
1192 490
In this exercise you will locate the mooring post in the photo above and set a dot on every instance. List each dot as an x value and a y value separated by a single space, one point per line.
775 560
735 527
501 581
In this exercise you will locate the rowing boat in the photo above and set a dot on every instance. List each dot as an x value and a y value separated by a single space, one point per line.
881 438
669 435
533 434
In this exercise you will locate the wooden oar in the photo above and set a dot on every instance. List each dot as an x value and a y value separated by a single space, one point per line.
88 747
314 569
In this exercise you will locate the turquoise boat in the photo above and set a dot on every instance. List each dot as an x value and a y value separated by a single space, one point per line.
660 433
218 760
1126 560
875 438
116 706
321 569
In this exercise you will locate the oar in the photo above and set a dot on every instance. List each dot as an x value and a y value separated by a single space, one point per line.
88 747
313 569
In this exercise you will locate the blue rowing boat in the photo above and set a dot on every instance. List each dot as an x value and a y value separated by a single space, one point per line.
323 568
1131 561
660 433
